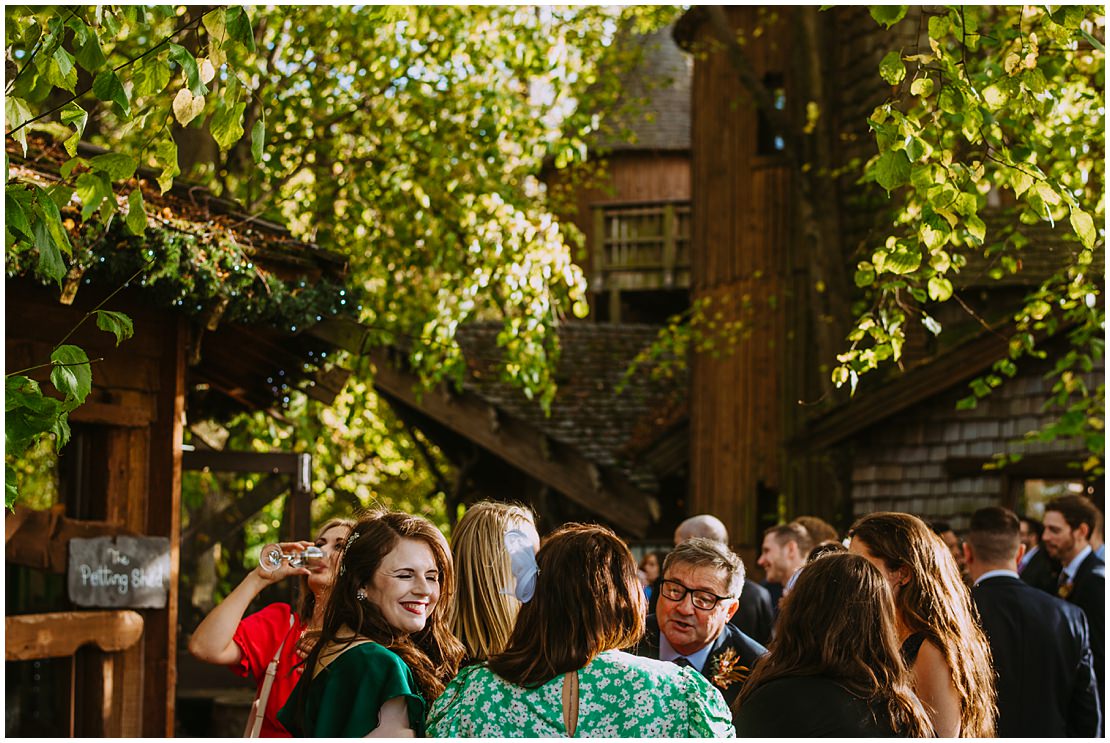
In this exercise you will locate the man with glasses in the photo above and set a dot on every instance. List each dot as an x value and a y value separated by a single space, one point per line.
699 592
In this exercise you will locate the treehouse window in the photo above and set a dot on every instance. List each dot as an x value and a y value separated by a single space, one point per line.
769 139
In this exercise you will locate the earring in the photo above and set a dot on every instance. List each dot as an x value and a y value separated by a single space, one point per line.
360 595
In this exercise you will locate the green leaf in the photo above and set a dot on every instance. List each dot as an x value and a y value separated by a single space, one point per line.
258 140
50 262
89 55
15 213
107 87
75 116
151 76
930 324
165 153
977 228
11 489
47 209
903 259
17 112
1020 181
1047 193
185 60
71 373
888 15
892 69
921 87
117 166
940 288
951 100
136 214
116 323
60 70
892 169
239 26
214 23
186 106
94 189
1084 226
227 125
865 274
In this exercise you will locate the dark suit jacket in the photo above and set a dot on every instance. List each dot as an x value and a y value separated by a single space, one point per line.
756 616
1042 571
747 650
1088 592
1042 656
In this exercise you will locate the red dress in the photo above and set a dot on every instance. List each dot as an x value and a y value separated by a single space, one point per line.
258 636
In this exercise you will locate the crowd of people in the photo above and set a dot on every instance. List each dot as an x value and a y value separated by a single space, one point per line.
900 628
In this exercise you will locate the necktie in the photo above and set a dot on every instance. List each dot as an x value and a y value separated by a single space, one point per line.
684 662
1063 585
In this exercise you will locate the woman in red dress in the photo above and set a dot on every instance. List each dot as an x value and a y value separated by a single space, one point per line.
247 645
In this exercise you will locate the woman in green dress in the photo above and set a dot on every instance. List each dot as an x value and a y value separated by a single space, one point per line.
563 672
384 651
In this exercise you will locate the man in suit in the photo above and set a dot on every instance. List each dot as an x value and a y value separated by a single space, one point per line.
1040 644
756 615
1035 567
698 595
785 548
1068 524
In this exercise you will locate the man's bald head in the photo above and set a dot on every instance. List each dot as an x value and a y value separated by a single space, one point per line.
702 525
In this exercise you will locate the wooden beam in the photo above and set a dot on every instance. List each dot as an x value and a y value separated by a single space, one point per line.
604 492
242 461
124 416
59 634
870 407
40 539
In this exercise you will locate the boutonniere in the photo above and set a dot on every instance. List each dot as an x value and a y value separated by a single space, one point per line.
727 670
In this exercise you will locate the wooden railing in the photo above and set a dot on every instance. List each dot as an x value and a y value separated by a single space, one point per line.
640 246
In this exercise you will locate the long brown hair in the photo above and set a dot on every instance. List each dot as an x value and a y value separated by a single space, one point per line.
483 613
838 622
936 602
588 600
433 653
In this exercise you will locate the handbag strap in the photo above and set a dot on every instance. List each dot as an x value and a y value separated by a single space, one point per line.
267 682
570 702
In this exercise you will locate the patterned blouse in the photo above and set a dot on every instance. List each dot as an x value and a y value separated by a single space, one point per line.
620 696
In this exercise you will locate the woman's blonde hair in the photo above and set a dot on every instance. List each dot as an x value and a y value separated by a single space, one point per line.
485 609
936 602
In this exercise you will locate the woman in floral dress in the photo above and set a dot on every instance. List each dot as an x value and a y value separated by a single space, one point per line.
564 674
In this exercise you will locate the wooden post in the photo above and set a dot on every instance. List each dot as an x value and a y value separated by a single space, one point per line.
164 519
670 252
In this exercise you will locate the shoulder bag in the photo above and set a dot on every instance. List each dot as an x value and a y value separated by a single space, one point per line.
258 709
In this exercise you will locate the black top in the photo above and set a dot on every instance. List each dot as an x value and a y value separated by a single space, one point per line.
911 647
808 707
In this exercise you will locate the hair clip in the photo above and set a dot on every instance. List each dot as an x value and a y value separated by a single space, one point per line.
522 563
342 562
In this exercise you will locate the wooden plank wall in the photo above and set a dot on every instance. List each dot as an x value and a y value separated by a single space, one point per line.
137 404
741 233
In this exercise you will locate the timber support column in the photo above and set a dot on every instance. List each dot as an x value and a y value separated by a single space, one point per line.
164 519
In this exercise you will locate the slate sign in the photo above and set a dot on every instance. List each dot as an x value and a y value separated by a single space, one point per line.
116 572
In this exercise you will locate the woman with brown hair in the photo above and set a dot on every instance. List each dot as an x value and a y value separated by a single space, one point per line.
938 625
563 672
485 609
384 651
249 645
835 652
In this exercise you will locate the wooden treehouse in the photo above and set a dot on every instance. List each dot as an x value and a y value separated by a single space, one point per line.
220 308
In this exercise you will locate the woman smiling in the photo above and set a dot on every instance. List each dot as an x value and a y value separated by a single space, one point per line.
384 652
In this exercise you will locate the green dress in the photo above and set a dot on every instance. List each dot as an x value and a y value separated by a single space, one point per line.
345 697
619 696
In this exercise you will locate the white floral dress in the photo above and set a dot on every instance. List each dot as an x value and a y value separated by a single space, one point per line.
620 696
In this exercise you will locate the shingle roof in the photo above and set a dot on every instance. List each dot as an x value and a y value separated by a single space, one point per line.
606 427
663 77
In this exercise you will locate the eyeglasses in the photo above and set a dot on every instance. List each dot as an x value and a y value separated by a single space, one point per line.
672 590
